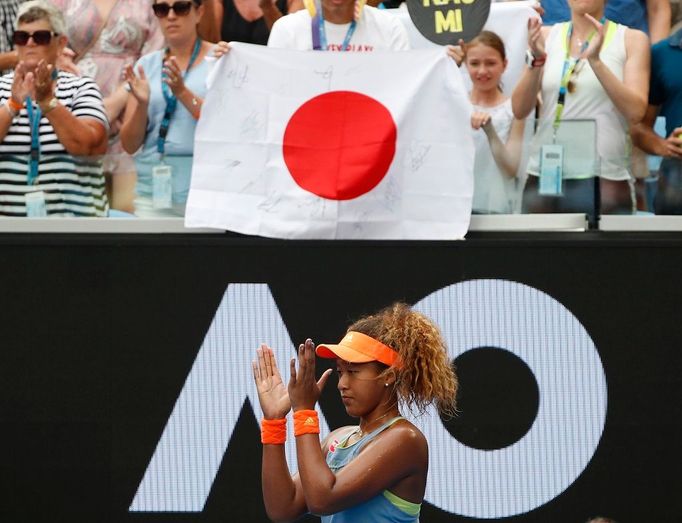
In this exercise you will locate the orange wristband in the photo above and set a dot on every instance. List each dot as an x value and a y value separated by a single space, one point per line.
273 431
306 422
14 105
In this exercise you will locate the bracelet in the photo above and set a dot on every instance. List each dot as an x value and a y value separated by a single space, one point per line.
273 431
306 422
14 105
11 111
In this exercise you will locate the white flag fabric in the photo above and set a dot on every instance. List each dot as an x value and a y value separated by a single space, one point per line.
323 145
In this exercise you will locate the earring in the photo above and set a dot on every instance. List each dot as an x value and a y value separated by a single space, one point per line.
385 384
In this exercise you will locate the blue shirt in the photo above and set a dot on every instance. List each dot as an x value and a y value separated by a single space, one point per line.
627 12
180 138
666 80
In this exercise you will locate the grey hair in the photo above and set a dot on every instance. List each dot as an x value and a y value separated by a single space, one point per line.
35 10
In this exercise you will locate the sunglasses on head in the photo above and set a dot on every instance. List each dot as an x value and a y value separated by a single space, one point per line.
42 37
182 8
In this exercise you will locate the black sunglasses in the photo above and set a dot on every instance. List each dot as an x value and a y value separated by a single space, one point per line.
180 8
42 37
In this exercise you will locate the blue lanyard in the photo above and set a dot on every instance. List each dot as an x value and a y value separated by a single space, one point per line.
34 117
320 43
172 101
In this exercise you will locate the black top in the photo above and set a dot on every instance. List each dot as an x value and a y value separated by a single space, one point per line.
236 29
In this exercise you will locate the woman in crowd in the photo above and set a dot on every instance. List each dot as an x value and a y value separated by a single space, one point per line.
375 471
106 36
244 20
588 68
167 88
49 118
499 136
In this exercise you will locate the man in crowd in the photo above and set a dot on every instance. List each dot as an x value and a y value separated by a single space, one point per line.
665 99
345 25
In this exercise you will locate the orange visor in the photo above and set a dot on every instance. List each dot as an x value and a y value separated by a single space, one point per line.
356 347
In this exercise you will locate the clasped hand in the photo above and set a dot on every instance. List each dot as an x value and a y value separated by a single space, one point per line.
303 391
37 84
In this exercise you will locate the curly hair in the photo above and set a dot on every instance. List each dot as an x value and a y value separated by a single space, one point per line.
426 375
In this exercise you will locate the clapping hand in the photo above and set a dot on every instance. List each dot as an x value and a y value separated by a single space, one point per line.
272 394
536 40
138 84
593 50
23 84
304 389
172 76
44 82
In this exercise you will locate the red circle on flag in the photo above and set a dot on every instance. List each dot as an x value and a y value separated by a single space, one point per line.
339 145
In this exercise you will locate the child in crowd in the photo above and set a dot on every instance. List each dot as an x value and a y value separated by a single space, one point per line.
497 188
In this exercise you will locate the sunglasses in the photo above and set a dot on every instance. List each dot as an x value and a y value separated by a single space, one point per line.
42 37
182 8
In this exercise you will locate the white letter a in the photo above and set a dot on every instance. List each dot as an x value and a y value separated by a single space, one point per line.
186 460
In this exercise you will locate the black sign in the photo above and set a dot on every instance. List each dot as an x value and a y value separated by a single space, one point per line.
447 21
124 390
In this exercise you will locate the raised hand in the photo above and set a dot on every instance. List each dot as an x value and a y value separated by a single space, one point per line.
536 40
304 390
22 85
138 84
457 52
44 83
173 76
272 394
593 50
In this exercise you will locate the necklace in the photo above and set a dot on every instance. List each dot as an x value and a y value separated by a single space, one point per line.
361 433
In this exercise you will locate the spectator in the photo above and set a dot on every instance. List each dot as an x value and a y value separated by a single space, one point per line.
651 16
244 20
665 99
8 15
603 74
160 117
346 27
601 520
48 118
106 36
499 135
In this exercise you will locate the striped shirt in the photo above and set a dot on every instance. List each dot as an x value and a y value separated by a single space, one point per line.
72 186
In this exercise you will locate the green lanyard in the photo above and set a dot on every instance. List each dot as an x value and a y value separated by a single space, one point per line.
569 66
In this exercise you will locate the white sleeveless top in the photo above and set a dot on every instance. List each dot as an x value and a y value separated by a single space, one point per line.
588 101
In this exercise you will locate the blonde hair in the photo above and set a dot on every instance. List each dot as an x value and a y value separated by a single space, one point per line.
35 10
426 375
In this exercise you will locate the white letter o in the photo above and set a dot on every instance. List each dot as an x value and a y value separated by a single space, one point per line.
572 407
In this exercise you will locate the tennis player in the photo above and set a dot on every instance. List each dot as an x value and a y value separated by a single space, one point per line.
375 471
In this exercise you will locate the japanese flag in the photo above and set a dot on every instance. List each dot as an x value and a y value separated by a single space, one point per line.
305 144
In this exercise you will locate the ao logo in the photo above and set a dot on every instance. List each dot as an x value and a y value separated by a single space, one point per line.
462 480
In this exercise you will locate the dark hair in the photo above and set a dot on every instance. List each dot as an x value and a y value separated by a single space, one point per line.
427 375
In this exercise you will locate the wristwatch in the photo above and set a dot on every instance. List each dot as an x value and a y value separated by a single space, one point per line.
533 61
46 107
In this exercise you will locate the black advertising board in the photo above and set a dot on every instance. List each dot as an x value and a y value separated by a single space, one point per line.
125 391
